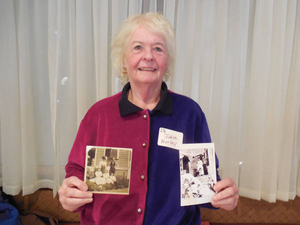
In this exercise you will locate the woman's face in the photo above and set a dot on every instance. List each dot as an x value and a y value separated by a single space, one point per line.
146 57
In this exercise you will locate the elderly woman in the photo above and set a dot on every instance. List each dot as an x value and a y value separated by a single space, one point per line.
143 52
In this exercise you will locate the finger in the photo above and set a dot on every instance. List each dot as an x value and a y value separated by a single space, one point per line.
231 199
227 204
77 202
76 193
73 187
72 198
226 193
72 204
76 182
227 198
224 183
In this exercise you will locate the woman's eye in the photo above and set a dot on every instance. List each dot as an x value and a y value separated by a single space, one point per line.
158 49
138 47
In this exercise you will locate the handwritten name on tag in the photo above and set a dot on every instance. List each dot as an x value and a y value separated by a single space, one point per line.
169 138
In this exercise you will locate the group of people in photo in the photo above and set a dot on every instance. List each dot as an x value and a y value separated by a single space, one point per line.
198 163
104 172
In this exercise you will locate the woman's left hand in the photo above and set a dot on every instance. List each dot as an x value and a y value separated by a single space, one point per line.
227 194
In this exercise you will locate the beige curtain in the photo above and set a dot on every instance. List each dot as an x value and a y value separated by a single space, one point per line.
239 59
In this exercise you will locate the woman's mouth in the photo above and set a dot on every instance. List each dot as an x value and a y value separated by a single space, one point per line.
146 69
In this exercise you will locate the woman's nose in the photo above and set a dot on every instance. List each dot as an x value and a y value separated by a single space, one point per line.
148 54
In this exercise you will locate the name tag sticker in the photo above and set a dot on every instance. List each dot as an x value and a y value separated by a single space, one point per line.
169 138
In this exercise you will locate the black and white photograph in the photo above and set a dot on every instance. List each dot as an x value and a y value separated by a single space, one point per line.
107 169
197 173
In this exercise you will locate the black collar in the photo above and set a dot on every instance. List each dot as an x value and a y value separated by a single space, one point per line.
164 105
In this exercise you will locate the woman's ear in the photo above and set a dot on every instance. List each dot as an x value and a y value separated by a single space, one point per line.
124 70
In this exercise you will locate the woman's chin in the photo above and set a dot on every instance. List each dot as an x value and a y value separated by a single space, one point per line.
149 79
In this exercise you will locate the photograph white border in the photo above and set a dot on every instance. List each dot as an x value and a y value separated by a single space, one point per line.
197 173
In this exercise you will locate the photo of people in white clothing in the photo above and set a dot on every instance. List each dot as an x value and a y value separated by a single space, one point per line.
107 169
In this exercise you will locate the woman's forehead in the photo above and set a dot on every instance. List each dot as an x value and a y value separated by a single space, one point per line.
142 34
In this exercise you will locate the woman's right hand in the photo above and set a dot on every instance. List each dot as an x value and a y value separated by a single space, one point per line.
74 193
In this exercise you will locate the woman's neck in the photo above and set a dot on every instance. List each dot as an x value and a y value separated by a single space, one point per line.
144 97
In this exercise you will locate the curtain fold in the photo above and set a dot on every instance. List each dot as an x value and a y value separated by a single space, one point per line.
239 59
10 101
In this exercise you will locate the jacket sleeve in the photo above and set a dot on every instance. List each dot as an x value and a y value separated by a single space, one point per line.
76 161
